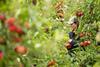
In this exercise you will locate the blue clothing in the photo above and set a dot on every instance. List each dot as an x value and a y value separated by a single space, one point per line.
71 35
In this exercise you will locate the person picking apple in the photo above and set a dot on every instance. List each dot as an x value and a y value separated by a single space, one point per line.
74 23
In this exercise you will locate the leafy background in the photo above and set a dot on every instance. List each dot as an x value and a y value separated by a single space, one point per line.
44 46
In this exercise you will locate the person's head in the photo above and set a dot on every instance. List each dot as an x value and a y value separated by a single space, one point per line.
74 26
73 21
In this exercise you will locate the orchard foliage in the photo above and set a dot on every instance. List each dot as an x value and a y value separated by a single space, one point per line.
34 33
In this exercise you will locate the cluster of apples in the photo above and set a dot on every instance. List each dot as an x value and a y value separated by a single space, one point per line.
12 27
59 11
85 43
70 44
10 23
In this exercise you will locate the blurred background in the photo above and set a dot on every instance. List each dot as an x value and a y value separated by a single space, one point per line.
33 33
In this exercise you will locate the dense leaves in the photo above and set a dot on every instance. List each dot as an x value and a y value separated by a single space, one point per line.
35 33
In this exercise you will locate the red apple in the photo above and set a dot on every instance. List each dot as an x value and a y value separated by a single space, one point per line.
2 18
82 44
89 42
1 55
19 31
79 13
12 28
68 46
10 21
86 43
82 34
21 49
51 63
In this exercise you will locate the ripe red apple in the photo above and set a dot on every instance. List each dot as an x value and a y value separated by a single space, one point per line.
82 44
1 55
89 42
2 18
21 49
82 34
68 46
51 63
86 43
79 13
19 31
12 28
10 21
